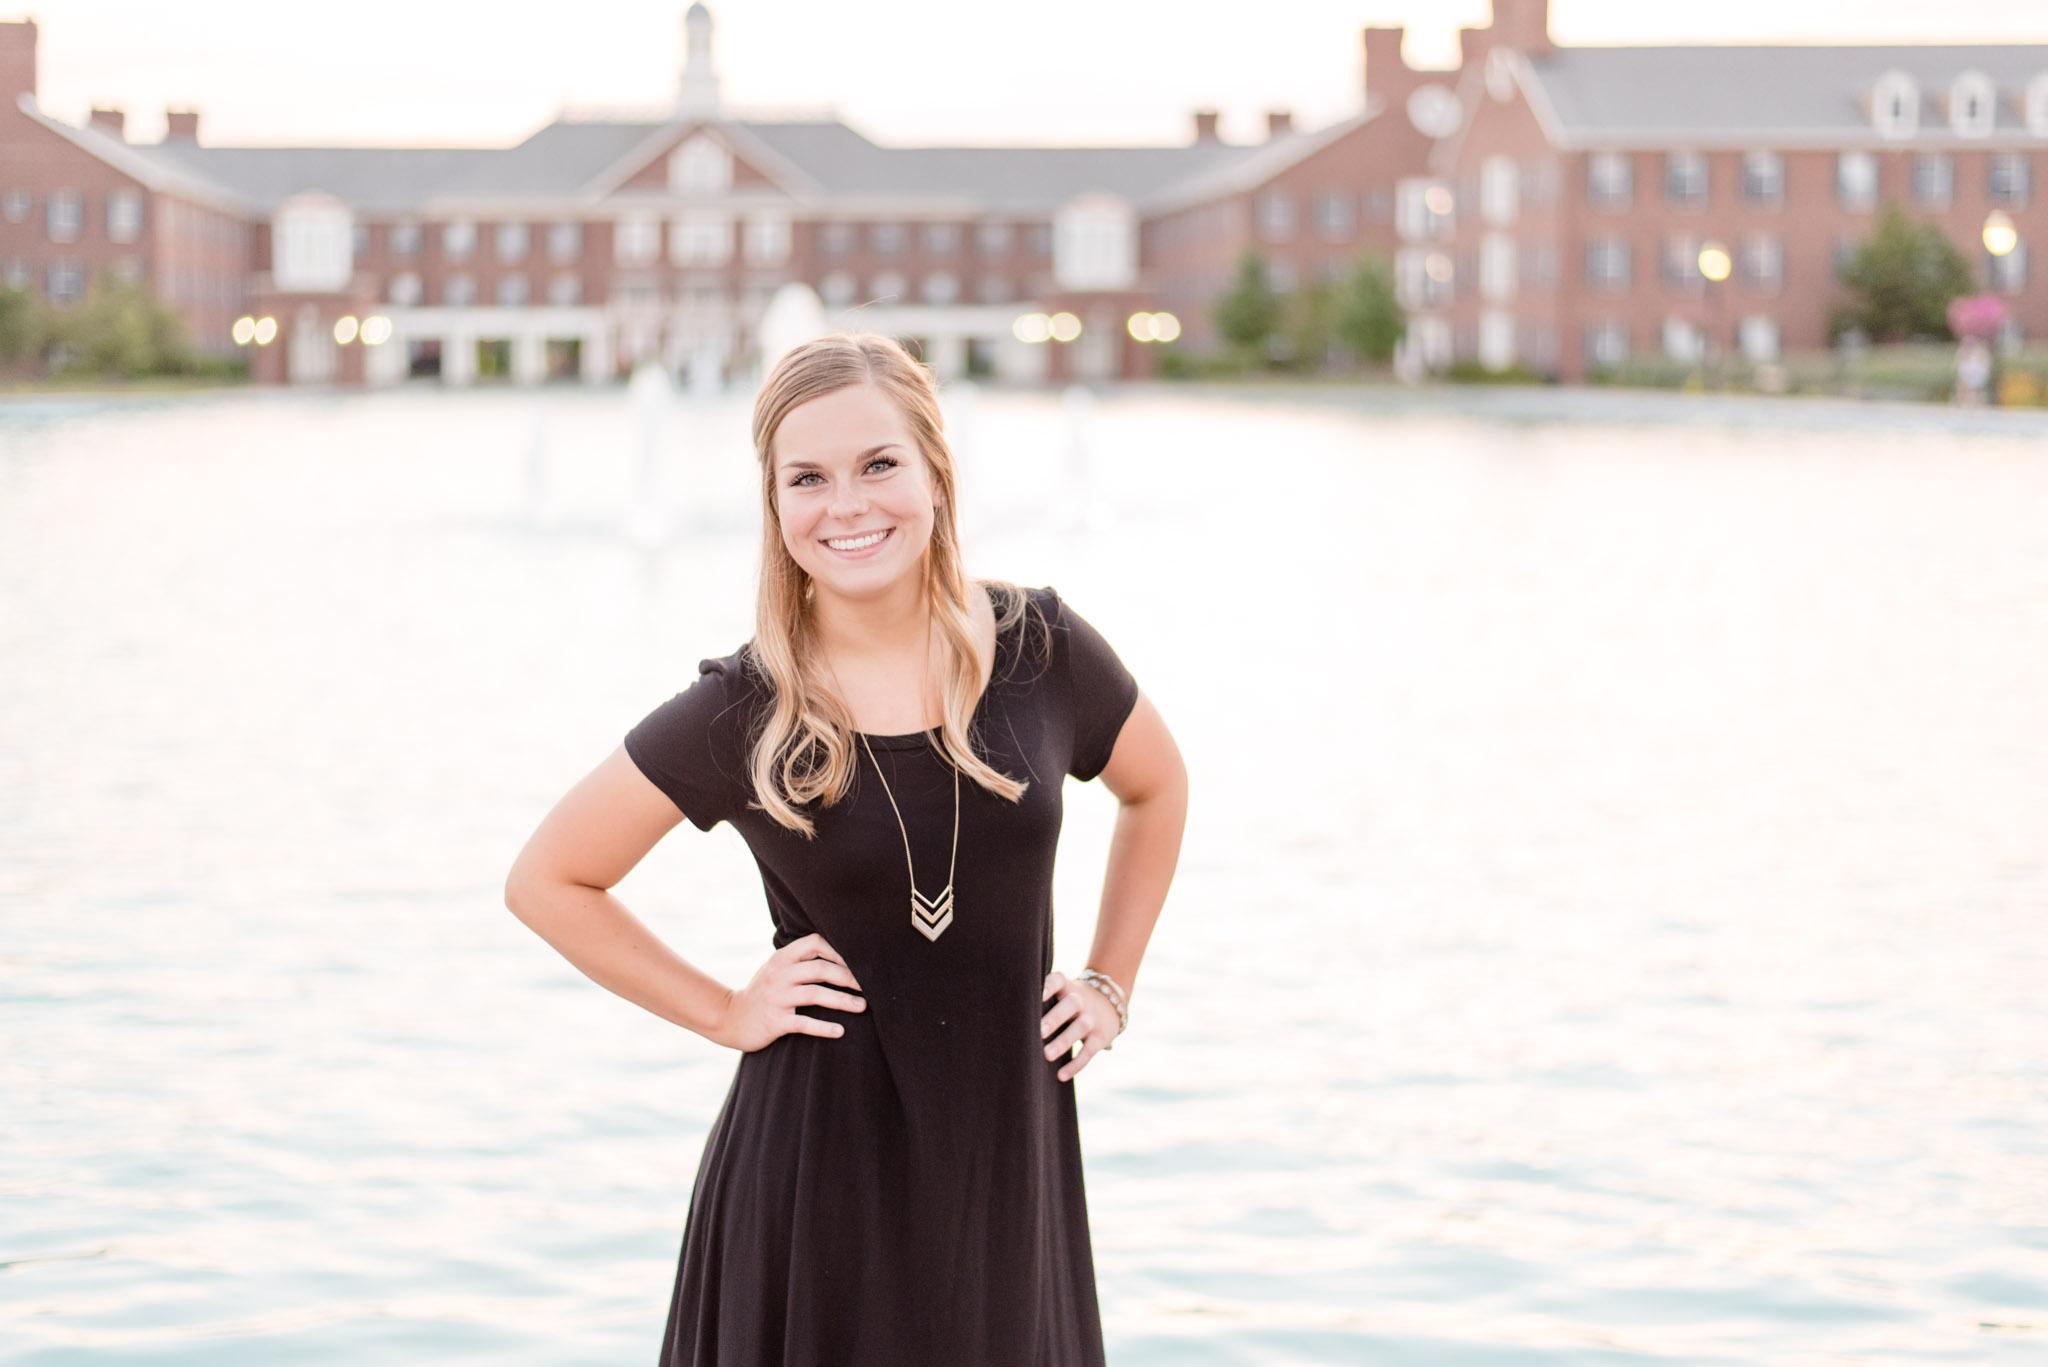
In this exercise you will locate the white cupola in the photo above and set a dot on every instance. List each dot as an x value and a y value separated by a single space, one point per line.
697 96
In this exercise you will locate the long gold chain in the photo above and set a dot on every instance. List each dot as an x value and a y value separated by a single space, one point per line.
929 915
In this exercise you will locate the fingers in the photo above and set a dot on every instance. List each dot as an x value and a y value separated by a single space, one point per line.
1062 1011
811 948
1067 1038
1054 981
825 996
811 1025
1080 1060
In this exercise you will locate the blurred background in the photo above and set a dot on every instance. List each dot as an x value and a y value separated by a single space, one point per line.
1578 504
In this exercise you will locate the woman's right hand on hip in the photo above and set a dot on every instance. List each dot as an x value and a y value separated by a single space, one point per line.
795 975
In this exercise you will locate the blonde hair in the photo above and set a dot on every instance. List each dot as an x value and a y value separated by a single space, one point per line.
805 749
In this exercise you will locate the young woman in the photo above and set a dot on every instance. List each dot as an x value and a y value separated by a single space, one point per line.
895 1177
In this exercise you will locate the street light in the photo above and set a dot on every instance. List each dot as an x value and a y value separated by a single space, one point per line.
2000 236
1715 265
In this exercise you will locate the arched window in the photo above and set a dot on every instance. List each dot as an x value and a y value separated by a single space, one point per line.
1972 105
701 166
1895 105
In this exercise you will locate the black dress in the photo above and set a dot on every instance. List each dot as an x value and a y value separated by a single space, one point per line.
908 1194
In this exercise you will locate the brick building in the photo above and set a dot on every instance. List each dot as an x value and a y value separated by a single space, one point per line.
1541 206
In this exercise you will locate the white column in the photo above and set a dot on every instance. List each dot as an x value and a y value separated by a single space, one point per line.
946 353
458 357
529 356
597 354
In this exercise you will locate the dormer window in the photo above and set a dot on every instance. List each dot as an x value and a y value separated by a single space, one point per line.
1972 105
1895 105
2037 105
701 166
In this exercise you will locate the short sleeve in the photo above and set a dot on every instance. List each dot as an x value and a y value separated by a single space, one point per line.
1102 690
693 746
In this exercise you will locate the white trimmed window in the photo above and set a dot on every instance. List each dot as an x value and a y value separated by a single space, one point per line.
941 239
459 291
1763 179
404 289
1273 211
402 240
1606 345
1610 180
700 166
1682 262
124 215
1972 105
1497 267
2009 178
1280 277
701 237
837 289
1757 335
65 217
1895 105
20 274
1683 339
767 239
1762 262
1685 179
941 288
1607 263
512 291
510 241
1856 180
66 281
1334 216
636 239
565 290
1500 191
565 241
16 205
458 239
994 239
2037 105
1934 180
835 239
994 289
888 287
885 239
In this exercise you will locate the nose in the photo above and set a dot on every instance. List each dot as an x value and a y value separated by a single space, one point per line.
848 501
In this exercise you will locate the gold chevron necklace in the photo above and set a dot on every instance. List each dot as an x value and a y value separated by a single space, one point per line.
928 915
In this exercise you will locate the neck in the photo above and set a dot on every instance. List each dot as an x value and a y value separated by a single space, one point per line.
892 622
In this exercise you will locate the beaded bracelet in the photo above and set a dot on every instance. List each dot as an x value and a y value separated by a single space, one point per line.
1106 985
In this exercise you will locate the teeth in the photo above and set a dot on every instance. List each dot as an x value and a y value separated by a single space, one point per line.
859 542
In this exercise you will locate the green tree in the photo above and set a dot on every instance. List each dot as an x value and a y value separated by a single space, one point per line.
1369 317
1900 281
120 331
1248 313
23 329
1307 326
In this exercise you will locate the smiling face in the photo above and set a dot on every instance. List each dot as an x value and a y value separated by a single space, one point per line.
853 493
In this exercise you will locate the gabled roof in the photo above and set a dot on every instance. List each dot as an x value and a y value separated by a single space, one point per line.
368 179
1760 95
135 162
1251 167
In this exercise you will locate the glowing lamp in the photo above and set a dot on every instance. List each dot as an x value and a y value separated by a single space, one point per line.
2000 236
266 331
244 331
1032 327
1065 327
1715 263
345 329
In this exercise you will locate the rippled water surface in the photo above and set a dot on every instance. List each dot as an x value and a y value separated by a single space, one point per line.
1611 927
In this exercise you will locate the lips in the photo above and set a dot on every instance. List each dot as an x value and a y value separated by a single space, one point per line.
859 542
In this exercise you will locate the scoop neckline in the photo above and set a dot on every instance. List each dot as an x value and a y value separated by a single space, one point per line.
913 740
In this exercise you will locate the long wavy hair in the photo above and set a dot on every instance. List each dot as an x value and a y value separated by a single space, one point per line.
806 745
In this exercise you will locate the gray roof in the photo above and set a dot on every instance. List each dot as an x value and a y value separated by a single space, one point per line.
567 157
1759 94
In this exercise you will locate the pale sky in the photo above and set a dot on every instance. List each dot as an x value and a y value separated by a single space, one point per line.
424 72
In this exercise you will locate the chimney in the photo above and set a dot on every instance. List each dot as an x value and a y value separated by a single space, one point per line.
17 60
181 125
1279 123
1523 25
109 121
1388 79
1472 46
1205 126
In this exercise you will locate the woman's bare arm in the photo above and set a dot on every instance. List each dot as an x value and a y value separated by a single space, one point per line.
1150 782
560 886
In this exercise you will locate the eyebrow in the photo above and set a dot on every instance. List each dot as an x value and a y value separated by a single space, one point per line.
813 465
